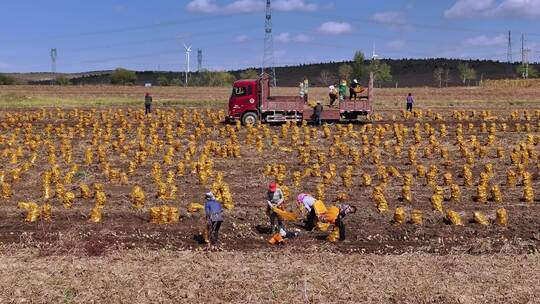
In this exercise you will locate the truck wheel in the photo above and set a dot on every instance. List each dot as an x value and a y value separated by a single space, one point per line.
249 118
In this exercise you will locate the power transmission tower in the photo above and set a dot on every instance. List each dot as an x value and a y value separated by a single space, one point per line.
524 58
268 57
54 54
188 56
199 60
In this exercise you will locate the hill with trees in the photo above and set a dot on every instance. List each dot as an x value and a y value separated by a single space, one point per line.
436 72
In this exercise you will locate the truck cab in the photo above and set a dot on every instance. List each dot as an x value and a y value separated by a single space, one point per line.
244 101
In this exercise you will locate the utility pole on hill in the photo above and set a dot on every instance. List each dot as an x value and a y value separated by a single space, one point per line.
268 56
509 52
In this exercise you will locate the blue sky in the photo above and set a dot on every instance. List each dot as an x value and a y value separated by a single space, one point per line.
149 35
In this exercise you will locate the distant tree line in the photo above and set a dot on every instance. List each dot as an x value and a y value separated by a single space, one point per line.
358 69
439 72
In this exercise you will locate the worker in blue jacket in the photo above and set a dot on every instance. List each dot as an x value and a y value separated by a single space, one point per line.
214 217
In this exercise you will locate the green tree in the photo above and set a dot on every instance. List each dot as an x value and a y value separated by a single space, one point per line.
466 73
176 82
326 78
358 65
162 81
63 80
345 71
438 75
6 80
207 78
249 74
381 71
471 75
122 76
531 71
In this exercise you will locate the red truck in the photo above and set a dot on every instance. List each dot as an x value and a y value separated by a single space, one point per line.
251 102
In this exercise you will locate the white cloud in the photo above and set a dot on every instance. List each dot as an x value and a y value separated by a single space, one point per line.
294 5
302 38
468 8
387 17
283 37
241 38
528 8
248 6
335 28
244 6
202 6
397 44
492 8
287 37
485 41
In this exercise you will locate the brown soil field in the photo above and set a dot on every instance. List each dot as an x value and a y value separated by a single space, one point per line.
166 262
141 276
460 97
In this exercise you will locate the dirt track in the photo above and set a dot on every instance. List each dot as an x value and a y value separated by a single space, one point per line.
140 276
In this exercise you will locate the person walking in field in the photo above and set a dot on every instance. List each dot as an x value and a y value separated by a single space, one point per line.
410 101
317 112
147 103
274 199
214 218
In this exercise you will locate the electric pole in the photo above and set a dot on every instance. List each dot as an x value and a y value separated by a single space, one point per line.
268 56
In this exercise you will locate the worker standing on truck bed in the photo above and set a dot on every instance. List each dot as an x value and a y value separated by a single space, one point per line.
410 101
306 89
352 89
333 94
317 112
342 90
147 103
214 218
274 199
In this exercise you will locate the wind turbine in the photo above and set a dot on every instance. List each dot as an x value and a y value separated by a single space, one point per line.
188 57
374 55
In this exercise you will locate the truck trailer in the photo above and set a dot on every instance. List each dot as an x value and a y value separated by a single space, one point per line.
251 102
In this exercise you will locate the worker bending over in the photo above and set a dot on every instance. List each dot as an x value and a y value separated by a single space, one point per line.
214 218
321 217
335 215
